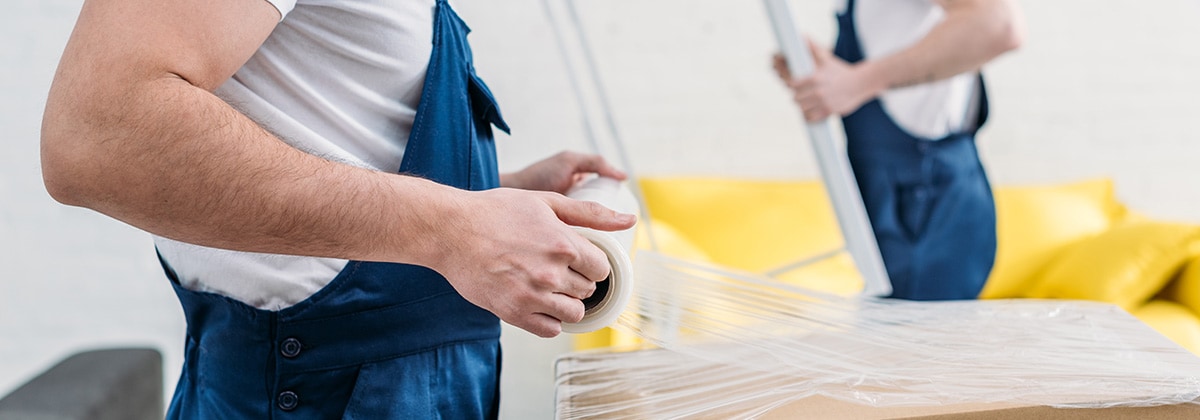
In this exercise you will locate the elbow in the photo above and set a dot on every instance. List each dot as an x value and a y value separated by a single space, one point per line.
991 27
1009 31
62 172
1009 37
62 190
69 165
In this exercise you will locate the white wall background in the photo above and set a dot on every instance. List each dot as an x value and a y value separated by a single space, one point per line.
1099 89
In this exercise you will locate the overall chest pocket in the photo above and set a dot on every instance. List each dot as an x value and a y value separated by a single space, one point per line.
484 107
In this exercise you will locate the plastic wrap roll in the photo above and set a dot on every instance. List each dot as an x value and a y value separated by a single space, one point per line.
611 296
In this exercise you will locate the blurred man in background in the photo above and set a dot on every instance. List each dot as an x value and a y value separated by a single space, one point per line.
904 76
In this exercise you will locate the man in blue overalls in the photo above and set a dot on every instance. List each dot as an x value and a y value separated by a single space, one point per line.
904 74
337 240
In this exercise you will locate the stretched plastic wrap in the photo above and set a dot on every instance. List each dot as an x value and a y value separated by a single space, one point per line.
737 345
733 345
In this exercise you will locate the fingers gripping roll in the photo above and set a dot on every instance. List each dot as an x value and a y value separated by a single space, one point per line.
611 295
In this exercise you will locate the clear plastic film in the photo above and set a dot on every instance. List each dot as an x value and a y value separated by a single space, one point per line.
726 344
737 345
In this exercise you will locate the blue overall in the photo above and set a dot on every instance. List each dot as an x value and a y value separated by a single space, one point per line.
929 200
381 341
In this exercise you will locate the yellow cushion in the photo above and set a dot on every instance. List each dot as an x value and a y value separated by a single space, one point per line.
1124 266
752 225
836 275
758 226
669 240
1173 321
1034 223
1186 288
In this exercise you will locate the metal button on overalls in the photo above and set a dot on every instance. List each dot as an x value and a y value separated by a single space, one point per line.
290 348
287 400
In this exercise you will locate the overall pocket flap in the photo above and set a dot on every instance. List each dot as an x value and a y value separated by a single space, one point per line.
483 104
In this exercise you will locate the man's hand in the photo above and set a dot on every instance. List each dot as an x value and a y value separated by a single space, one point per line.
560 172
535 270
516 256
972 33
834 88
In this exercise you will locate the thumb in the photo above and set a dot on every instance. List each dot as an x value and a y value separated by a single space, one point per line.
779 63
820 54
589 214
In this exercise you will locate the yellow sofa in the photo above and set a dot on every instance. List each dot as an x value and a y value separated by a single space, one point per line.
1068 241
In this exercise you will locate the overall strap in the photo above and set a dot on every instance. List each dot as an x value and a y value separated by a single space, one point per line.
451 140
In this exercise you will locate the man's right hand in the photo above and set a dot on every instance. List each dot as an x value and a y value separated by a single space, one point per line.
514 253
835 88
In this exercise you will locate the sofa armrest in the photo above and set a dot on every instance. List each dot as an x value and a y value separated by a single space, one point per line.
100 384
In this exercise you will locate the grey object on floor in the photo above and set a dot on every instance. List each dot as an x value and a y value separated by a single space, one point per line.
125 384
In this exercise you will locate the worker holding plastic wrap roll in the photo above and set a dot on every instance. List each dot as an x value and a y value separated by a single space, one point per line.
321 180
905 78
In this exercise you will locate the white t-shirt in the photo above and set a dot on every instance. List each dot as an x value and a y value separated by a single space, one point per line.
341 80
930 110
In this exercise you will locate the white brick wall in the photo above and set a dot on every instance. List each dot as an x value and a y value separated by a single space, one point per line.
69 278
1100 89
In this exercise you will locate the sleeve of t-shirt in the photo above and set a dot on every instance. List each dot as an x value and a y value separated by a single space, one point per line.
283 6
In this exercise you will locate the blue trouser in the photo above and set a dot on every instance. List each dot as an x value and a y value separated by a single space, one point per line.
381 340
929 200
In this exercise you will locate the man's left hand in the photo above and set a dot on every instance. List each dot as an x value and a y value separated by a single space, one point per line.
559 172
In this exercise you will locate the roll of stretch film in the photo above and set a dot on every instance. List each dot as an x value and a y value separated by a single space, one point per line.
611 296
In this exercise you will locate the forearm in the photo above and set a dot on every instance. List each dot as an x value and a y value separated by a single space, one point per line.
177 161
972 33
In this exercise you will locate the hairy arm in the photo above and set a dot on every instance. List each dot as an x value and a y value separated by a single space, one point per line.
972 33
132 130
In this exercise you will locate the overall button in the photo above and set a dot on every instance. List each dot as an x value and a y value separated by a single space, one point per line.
287 400
290 348
922 146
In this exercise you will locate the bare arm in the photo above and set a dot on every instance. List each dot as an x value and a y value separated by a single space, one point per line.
132 130
972 33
